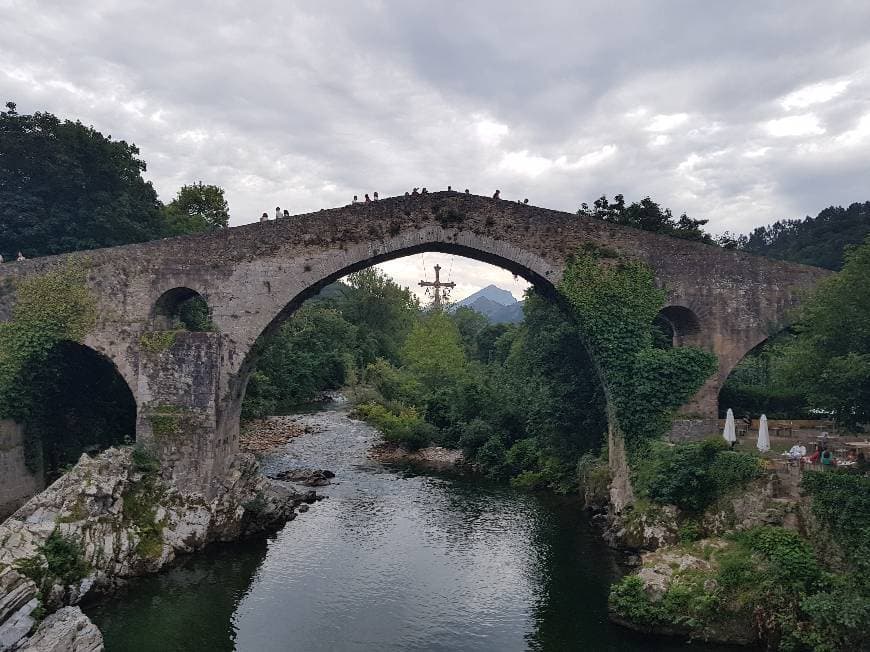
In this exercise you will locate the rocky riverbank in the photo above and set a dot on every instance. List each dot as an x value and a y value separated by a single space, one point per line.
434 458
693 573
262 436
110 518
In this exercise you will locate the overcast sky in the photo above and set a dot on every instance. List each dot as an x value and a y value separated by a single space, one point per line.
740 112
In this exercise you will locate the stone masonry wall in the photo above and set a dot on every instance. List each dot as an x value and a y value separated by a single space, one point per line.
17 483
256 275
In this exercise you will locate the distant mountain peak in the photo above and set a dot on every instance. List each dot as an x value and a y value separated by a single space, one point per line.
498 305
491 292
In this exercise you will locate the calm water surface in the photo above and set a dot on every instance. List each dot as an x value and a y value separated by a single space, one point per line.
390 561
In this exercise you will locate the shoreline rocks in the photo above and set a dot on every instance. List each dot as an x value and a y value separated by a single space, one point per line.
117 520
262 436
305 477
435 458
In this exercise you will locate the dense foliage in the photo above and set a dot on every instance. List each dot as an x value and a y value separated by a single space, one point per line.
756 386
67 187
828 361
768 577
616 302
53 307
647 215
329 341
693 475
312 352
197 207
819 241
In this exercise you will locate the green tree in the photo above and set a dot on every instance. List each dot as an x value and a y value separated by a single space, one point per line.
197 207
829 359
820 240
65 187
470 324
647 215
433 352
381 309
311 352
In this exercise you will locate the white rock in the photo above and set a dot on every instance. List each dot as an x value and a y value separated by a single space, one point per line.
66 630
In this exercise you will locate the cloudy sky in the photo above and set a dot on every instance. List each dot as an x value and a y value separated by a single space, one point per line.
740 112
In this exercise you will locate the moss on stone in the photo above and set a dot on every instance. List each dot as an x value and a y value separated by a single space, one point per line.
141 501
155 342
170 421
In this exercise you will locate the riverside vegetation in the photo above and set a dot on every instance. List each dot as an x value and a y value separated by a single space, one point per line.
524 402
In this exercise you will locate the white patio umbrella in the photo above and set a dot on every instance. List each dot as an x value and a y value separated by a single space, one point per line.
730 433
763 444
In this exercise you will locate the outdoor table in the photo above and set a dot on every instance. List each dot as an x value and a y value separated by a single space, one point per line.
858 444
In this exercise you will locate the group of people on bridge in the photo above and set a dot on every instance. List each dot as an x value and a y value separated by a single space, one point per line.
367 199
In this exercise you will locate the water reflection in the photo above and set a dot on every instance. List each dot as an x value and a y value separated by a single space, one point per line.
391 561
189 608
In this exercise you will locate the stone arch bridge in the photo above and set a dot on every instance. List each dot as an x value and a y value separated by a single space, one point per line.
256 275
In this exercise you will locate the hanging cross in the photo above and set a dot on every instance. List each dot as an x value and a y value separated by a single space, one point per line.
436 300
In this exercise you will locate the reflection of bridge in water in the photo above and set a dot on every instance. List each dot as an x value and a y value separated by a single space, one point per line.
255 276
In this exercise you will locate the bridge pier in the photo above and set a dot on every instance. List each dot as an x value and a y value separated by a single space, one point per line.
179 417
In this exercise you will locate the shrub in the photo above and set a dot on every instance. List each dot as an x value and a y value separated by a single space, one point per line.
530 481
792 562
731 470
475 434
400 425
59 558
491 456
629 601
694 474
523 455
682 479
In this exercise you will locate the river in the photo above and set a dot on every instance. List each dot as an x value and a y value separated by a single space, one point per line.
391 560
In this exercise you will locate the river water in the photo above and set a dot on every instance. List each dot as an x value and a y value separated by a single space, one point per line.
390 561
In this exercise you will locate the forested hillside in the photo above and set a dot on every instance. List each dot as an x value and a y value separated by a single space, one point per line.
819 240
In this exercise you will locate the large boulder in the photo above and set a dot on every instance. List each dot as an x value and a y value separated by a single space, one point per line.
18 602
66 630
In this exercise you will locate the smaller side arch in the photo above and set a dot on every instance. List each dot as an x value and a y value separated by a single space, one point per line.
683 325
181 308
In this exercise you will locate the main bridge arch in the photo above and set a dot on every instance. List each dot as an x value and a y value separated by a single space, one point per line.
255 275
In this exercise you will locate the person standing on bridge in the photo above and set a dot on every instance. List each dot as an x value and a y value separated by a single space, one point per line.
376 196
277 212
368 199
355 199
21 257
496 194
286 213
264 217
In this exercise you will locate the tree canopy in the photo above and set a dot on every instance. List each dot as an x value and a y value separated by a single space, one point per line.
829 359
647 215
819 241
65 186
197 207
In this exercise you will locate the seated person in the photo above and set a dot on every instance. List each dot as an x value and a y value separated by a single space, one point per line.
814 458
826 458
794 453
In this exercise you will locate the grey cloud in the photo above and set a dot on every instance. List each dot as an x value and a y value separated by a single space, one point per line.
304 105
